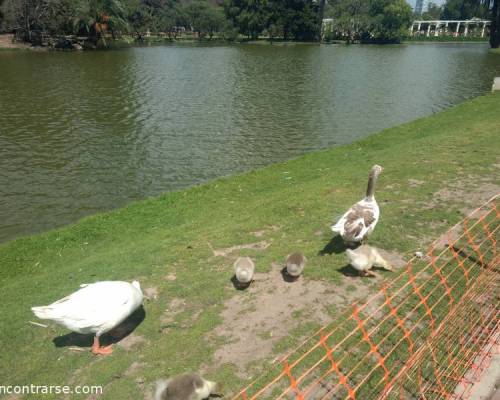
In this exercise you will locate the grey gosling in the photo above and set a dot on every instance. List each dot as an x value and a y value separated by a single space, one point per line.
295 263
185 387
365 257
244 269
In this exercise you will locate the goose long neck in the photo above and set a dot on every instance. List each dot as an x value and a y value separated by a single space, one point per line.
370 190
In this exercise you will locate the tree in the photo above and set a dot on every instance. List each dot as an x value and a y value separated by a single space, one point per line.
350 19
249 16
495 25
433 12
390 19
98 16
1 16
465 9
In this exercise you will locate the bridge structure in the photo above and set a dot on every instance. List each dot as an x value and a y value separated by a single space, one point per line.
472 27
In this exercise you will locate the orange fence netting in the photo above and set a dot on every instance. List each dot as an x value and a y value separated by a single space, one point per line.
427 334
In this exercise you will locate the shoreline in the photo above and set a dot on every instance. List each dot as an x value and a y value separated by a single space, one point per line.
6 43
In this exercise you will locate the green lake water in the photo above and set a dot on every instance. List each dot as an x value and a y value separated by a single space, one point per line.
83 132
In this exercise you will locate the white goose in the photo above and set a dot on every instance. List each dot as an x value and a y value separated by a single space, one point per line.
95 308
360 220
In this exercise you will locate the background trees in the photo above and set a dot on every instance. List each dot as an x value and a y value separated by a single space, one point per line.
353 20
495 25
371 20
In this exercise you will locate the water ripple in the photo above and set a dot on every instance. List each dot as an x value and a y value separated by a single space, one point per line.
85 132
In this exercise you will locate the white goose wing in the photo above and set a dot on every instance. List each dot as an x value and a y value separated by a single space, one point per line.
359 221
96 307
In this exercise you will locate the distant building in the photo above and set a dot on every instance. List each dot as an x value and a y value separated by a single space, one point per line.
419 6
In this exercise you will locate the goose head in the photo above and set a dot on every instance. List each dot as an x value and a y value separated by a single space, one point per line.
376 170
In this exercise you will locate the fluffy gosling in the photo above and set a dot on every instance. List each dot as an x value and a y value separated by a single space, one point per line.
185 387
244 269
364 258
295 263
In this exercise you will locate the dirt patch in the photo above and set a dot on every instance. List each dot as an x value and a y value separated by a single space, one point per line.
262 245
466 192
415 182
395 259
151 293
6 42
135 367
131 341
175 307
255 319
170 277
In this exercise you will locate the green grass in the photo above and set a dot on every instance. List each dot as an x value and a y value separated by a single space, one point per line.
169 234
495 51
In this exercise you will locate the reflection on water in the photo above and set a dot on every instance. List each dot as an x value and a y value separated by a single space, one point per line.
85 132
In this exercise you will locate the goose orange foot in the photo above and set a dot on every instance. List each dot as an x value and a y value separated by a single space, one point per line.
98 349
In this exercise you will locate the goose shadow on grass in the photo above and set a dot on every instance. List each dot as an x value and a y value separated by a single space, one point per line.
335 245
114 336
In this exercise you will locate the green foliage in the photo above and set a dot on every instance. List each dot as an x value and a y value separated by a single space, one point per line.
249 16
433 12
290 19
466 9
350 19
371 20
495 25
97 16
390 19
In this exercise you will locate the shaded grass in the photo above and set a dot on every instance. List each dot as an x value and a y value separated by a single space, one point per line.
169 235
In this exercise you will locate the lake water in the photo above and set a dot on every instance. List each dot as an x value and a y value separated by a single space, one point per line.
90 131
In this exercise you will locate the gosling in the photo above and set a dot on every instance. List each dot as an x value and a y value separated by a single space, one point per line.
244 269
295 263
364 258
185 387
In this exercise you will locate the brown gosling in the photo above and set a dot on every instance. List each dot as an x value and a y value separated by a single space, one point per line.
185 387
365 257
244 269
295 264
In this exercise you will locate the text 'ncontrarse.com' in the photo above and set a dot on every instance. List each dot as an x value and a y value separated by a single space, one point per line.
49 389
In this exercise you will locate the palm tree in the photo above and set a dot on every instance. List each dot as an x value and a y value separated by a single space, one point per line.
99 16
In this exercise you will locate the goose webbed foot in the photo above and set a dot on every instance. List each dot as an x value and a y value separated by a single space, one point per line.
98 349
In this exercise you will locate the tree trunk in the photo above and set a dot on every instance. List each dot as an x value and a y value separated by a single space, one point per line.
321 11
495 25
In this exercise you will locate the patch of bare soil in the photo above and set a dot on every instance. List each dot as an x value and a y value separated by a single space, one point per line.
131 341
7 42
394 258
263 232
262 245
467 192
170 277
151 293
175 307
255 319
415 182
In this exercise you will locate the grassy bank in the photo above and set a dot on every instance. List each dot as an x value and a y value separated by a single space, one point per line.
495 51
436 169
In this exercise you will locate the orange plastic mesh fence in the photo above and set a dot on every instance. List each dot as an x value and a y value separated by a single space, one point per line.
427 334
